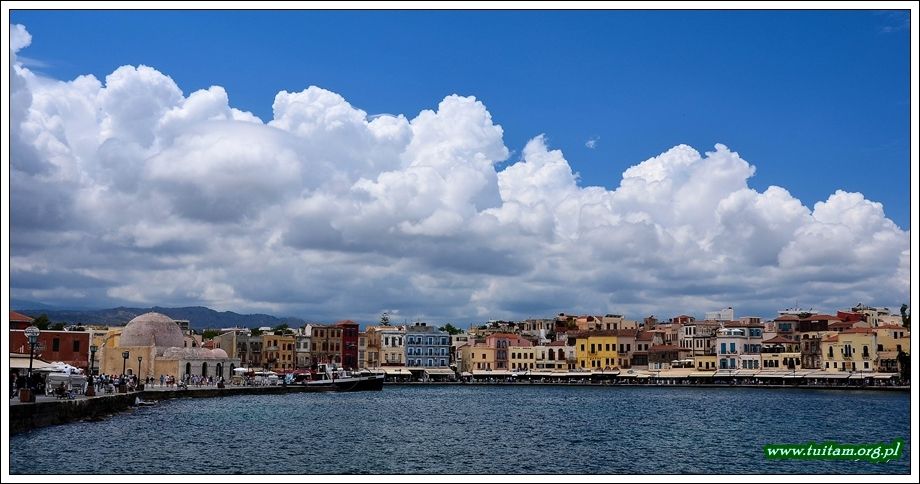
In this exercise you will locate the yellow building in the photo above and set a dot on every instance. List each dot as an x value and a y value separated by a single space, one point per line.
705 362
522 358
891 339
278 351
781 353
851 350
476 357
596 350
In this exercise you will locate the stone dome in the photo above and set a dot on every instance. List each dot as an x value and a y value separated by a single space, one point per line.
151 329
219 353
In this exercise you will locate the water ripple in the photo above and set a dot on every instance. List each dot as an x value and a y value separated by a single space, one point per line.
482 429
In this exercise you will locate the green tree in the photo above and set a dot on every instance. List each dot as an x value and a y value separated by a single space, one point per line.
384 319
450 329
57 327
905 315
255 331
904 364
42 322
209 334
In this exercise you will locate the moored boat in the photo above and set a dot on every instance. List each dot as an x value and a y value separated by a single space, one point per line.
331 378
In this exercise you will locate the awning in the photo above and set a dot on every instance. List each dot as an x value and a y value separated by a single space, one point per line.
745 373
883 376
466 373
491 373
376 371
681 373
607 372
18 362
397 371
702 374
828 374
770 375
439 371
794 375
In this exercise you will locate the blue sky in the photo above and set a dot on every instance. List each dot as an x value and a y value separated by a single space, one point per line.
816 100
144 186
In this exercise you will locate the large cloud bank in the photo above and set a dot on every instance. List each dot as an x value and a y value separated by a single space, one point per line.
129 191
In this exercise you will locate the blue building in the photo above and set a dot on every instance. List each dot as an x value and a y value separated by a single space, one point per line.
426 347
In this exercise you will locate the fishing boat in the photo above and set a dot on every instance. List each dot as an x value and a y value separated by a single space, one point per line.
328 377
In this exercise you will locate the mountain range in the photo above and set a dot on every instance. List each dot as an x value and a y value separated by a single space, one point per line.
199 317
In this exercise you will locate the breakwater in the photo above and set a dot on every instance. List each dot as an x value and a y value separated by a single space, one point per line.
48 411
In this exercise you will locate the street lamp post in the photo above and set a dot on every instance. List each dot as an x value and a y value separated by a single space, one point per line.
31 333
90 386
139 358
123 388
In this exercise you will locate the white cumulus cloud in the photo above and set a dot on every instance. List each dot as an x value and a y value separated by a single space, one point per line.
129 190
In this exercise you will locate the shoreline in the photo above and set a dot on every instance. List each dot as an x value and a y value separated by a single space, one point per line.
48 411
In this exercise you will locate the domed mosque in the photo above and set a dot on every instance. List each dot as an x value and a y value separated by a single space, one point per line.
158 340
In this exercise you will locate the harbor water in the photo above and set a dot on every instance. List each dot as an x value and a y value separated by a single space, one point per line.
478 429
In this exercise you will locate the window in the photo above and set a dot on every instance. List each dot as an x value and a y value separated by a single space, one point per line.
722 348
56 344
76 346
866 365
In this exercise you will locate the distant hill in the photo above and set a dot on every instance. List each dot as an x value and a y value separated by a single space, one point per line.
199 317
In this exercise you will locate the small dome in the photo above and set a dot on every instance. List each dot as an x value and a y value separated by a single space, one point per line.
219 353
151 329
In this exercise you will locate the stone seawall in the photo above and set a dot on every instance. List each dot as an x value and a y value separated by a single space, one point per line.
28 416
24 417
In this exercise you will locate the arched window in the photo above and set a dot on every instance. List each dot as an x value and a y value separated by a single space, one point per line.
220 370
204 369
188 368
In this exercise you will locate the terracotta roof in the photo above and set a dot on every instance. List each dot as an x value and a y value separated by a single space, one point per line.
892 326
19 317
663 348
739 324
504 335
858 330
628 333
556 343
588 334
819 317
787 317
779 340
830 339
644 336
